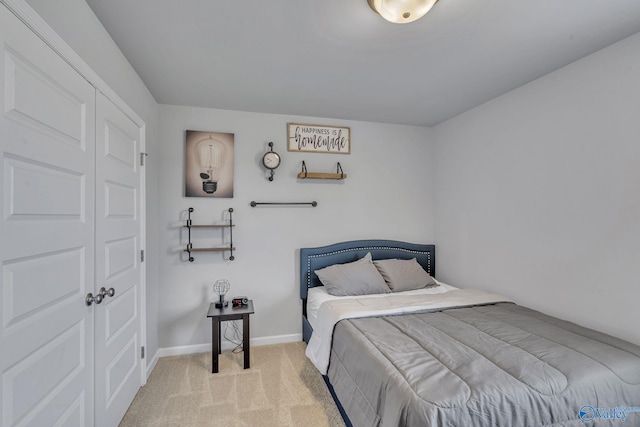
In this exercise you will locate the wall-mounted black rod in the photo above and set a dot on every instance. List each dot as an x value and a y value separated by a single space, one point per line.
254 204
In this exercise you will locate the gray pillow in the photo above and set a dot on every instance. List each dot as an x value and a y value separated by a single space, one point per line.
404 274
354 278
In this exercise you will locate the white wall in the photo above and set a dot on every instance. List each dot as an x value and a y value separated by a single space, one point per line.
388 194
537 193
76 23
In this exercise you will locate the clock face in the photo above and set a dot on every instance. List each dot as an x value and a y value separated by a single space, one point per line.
271 160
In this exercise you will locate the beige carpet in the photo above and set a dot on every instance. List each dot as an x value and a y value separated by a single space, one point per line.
282 388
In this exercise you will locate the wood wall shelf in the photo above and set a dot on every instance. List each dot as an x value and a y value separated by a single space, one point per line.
321 175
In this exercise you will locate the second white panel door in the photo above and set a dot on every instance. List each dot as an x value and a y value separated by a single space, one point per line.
118 231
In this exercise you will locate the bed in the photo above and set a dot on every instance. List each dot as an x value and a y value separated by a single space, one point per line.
444 356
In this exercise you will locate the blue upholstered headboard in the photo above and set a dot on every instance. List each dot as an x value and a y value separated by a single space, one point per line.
312 259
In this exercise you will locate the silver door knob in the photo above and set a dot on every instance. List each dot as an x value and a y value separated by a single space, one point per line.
104 292
90 299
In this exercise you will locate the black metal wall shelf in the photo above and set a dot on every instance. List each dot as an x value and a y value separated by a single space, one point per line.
230 248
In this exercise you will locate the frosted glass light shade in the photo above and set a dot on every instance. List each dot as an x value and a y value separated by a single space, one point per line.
401 11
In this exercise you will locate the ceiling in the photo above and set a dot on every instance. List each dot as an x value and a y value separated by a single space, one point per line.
338 59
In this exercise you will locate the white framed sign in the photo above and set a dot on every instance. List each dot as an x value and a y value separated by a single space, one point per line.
318 139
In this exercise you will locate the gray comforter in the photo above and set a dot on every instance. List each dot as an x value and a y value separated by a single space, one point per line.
492 365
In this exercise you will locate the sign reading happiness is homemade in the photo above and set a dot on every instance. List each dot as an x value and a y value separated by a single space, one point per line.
319 139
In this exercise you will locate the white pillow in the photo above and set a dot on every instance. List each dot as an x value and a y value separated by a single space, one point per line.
354 278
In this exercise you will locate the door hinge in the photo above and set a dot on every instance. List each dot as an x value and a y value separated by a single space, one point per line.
142 255
142 353
142 156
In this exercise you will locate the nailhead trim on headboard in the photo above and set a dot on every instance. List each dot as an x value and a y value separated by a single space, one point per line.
365 248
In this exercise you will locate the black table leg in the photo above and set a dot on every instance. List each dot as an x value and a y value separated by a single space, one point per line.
245 340
219 337
215 344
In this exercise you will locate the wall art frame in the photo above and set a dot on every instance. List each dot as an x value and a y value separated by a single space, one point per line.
308 138
209 164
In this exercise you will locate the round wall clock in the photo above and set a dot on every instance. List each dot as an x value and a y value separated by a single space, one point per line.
271 160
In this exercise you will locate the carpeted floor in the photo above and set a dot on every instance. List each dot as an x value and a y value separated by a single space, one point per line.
282 388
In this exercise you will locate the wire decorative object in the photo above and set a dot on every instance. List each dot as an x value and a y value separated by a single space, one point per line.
220 288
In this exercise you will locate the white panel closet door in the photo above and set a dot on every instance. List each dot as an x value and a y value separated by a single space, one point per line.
117 336
46 234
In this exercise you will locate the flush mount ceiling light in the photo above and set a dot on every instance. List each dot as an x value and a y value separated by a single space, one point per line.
401 11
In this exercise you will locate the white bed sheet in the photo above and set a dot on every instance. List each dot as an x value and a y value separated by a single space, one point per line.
316 296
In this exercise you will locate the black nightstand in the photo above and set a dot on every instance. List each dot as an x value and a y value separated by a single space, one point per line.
219 315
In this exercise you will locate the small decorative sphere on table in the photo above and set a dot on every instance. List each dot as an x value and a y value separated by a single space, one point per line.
220 288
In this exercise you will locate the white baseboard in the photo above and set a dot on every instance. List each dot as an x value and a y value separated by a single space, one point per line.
276 339
226 345
152 363
189 349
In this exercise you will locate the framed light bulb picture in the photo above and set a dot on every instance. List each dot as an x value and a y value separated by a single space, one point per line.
209 164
